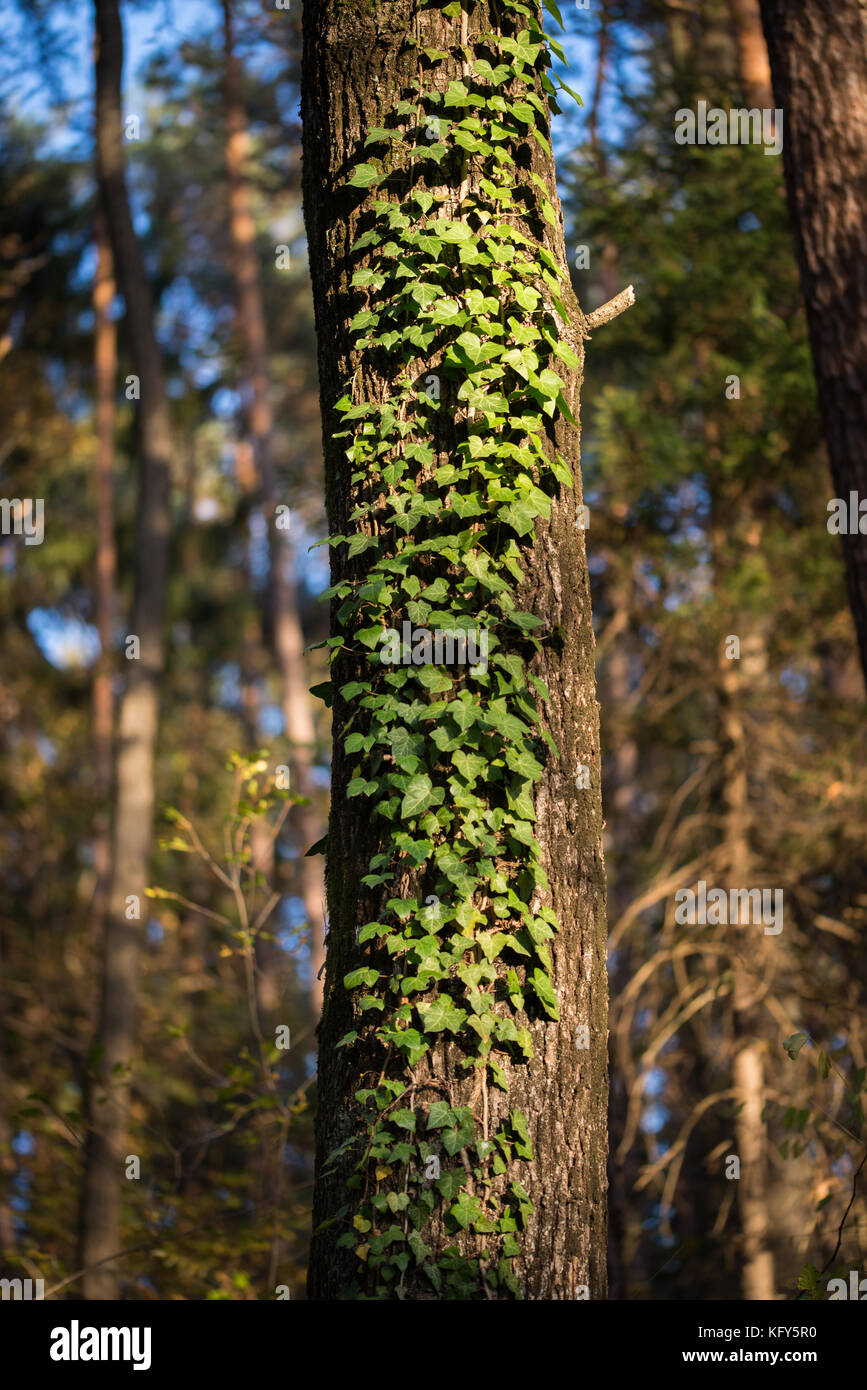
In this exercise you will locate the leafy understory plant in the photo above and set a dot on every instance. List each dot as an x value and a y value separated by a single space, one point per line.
253 1091
848 1083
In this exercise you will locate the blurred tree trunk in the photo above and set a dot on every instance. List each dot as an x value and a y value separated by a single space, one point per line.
356 61
752 52
677 27
622 794
288 636
262 844
109 1099
8 1240
818 53
748 1061
105 383
748 1077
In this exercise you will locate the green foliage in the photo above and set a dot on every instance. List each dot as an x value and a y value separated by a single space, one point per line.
708 514
447 758
794 1044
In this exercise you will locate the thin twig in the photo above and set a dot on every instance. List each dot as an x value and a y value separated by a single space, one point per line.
606 312
833 1257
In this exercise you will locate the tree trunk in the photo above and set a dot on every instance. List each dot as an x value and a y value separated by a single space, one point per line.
751 960
108 1106
105 372
360 61
263 847
622 791
818 53
752 50
748 1077
8 1240
288 636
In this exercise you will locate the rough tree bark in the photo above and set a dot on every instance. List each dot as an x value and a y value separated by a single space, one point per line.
357 62
108 1103
818 53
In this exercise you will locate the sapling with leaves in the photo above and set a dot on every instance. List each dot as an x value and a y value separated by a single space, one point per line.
842 1109
253 1087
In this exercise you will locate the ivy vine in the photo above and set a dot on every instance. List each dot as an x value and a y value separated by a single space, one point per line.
462 315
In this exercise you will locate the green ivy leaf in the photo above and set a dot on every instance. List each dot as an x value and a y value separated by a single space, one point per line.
442 1015
794 1044
363 176
418 1247
467 1211
425 294
545 993
360 542
365 976
417 796
449 1184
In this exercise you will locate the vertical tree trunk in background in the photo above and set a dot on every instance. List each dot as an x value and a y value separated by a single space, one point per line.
676 23
108 1107
262 844
622 795
287 631
750 958
7 1159
105 374
357 63
818 53
604 42
748 1079
752 50
603 52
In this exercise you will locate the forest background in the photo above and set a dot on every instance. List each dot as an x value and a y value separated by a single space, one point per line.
707 510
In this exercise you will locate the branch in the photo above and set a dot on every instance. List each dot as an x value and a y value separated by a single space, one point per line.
606 312
164 1239
833 1256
